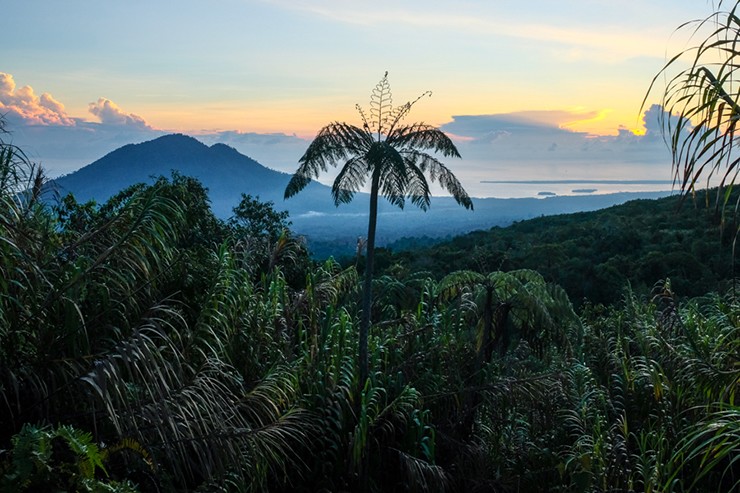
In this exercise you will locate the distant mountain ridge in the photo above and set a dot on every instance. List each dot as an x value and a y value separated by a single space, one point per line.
222 169
227 174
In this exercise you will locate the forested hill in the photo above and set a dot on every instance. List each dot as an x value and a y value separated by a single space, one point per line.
595 254
224 171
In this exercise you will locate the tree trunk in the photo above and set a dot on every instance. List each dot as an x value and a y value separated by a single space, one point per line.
501 341
367 290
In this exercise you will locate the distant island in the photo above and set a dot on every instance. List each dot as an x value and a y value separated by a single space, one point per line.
547 194
584 190
583 182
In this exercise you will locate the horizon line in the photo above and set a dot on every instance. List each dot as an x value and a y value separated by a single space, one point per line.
582 182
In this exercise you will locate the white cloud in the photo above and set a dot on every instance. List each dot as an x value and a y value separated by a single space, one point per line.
62 143
23 104
110 113
492 127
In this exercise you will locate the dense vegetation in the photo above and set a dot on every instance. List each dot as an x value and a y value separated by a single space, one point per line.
593 255
147 346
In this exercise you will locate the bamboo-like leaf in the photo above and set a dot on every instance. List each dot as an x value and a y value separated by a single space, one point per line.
702 103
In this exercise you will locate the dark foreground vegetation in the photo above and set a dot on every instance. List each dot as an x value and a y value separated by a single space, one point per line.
147 346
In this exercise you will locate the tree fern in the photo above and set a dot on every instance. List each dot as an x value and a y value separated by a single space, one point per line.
393 157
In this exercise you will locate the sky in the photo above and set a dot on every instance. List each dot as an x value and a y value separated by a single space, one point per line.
528 90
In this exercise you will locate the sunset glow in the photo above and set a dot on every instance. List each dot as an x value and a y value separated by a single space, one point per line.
250 67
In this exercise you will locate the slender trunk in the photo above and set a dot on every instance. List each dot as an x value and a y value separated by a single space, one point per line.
367 303
367 292
501 341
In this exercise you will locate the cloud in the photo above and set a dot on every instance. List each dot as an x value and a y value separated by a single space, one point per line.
522 136
652 120
110 113
63 149
655 119
41 126
25 105
542 144
552 131
523 120
493 127
570 42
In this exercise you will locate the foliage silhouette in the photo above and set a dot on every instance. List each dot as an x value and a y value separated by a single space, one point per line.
393 155
701 103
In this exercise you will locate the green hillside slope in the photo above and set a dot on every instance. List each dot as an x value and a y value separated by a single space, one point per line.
594 255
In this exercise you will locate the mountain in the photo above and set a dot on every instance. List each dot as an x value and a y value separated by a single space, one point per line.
224 171
330 230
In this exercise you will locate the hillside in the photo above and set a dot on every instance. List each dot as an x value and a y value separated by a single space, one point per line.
594 255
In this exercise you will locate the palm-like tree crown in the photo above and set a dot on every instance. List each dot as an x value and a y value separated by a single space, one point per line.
394 155
397 152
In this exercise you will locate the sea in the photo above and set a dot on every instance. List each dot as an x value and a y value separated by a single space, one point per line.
551 188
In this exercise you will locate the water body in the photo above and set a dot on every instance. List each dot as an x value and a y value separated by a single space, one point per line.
534 188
